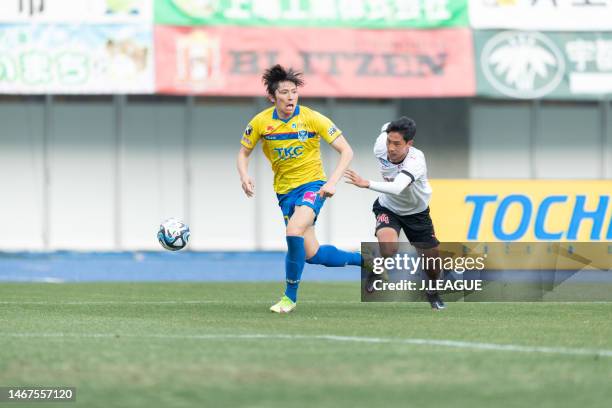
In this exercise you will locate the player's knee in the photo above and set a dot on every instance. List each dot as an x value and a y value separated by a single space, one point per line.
319 257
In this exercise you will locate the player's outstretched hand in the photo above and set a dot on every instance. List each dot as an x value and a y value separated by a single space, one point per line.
248 187
327 190
352 177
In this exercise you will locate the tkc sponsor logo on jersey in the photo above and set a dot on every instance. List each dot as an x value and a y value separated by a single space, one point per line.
293 152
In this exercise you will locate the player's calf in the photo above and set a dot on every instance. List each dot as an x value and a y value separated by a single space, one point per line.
329 255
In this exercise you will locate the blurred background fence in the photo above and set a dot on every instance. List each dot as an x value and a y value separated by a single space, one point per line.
117 114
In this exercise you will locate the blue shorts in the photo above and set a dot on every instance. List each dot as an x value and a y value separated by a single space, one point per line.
306 194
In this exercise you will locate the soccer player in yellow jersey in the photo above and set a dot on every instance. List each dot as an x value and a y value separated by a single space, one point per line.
290 135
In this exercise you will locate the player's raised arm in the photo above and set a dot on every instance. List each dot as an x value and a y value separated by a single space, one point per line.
341 145
394 187
332 135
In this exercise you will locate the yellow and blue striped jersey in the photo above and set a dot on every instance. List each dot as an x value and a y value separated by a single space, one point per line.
292 146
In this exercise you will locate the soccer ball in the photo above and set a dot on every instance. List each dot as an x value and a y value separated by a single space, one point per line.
173 234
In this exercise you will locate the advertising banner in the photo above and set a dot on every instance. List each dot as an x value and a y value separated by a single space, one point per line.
529 211
81 11
527 65
314 13
79 59
357 63
542 15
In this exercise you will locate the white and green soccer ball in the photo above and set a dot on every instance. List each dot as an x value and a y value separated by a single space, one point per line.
173 234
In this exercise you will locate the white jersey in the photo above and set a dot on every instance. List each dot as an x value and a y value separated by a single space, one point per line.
414 198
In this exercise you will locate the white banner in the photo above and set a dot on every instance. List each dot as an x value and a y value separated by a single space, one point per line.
45 58
82 11
542 15
531 64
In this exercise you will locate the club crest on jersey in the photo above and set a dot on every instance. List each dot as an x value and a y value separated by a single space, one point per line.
309 197
385 162
302 135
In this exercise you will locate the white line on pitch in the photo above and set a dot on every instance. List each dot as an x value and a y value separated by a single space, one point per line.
203 302
336 338
108 302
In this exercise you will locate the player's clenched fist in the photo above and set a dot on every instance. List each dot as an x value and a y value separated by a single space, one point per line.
327 190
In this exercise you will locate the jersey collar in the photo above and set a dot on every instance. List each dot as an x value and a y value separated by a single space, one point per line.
401 161
296 112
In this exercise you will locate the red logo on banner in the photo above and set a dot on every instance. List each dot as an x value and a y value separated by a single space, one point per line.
226 60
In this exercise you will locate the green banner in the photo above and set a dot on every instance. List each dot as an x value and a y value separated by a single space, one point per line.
554 65
314 13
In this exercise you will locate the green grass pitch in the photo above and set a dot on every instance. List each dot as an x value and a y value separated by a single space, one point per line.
197 344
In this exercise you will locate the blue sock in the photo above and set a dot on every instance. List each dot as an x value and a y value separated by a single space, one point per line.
294 265
329 255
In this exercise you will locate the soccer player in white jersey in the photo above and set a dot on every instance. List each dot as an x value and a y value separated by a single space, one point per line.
404 202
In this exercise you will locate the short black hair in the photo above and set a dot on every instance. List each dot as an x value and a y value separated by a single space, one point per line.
276 74
404 126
